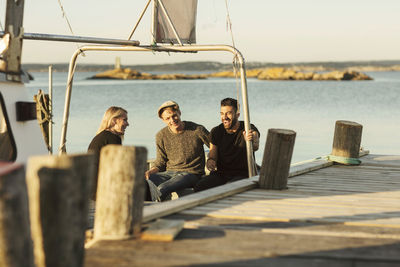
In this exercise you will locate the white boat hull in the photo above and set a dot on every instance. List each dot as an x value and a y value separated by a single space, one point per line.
27 136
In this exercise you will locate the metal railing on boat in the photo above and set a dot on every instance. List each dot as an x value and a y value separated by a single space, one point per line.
164 48
75 39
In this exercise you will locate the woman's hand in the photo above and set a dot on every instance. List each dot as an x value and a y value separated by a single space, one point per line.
150 172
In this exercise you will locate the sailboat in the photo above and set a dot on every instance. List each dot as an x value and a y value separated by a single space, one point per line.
20 136
173 30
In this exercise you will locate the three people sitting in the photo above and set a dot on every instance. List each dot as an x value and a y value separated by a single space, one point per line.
180 161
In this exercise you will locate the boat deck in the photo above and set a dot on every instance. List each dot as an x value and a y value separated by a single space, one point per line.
334 216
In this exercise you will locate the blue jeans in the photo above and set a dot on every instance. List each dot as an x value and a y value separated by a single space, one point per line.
171 181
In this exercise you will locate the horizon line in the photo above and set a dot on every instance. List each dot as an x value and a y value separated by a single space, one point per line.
221 62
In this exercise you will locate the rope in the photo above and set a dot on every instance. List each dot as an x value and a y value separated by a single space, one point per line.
344 160
337 159
43 115
235 71
43 107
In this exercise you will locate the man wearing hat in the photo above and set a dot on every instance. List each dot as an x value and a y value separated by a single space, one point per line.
180 158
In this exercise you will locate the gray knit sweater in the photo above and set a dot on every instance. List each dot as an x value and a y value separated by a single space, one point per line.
182 151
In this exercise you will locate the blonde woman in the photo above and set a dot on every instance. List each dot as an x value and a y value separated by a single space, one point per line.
111 131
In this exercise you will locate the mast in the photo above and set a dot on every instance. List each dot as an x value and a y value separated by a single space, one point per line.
11 61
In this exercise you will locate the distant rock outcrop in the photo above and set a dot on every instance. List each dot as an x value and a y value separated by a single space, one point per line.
262 74
284 74
252 73
341 76
292 74
128 74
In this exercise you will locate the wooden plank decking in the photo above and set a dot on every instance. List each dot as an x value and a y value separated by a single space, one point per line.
355 196
335 216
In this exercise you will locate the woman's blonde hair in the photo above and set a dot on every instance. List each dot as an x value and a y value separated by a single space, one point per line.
109 118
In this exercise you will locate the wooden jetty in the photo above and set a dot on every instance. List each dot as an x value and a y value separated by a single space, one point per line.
339 210
330 215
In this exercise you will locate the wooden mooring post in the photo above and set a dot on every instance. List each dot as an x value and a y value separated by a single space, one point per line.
346 142
120 192
58 188
16 248
276 161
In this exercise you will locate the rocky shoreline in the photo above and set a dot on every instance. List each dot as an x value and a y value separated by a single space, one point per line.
128 74
285 74
289 74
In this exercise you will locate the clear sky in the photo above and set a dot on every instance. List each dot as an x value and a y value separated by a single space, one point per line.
264 30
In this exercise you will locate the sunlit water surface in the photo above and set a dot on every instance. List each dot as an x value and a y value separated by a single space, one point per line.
308 107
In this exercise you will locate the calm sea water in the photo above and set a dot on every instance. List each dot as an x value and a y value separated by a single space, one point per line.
308 107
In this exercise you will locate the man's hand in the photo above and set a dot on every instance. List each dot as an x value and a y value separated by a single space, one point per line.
252 136
150 172
249 136
211 164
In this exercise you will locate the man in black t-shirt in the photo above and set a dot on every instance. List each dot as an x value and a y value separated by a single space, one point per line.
227 160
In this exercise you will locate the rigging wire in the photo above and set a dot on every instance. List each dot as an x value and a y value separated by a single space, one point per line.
64 14
235 66
229 23
235 61
140 18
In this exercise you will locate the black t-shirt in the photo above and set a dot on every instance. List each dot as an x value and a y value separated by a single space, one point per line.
231 147
102 139
99 141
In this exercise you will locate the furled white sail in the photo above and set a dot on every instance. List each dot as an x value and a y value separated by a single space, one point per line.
172 18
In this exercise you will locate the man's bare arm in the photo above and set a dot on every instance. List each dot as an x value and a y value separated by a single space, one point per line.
212 158
253 137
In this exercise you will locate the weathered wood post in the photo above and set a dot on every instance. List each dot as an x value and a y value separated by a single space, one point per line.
16 248
120 192
276 161
346 142
58 188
